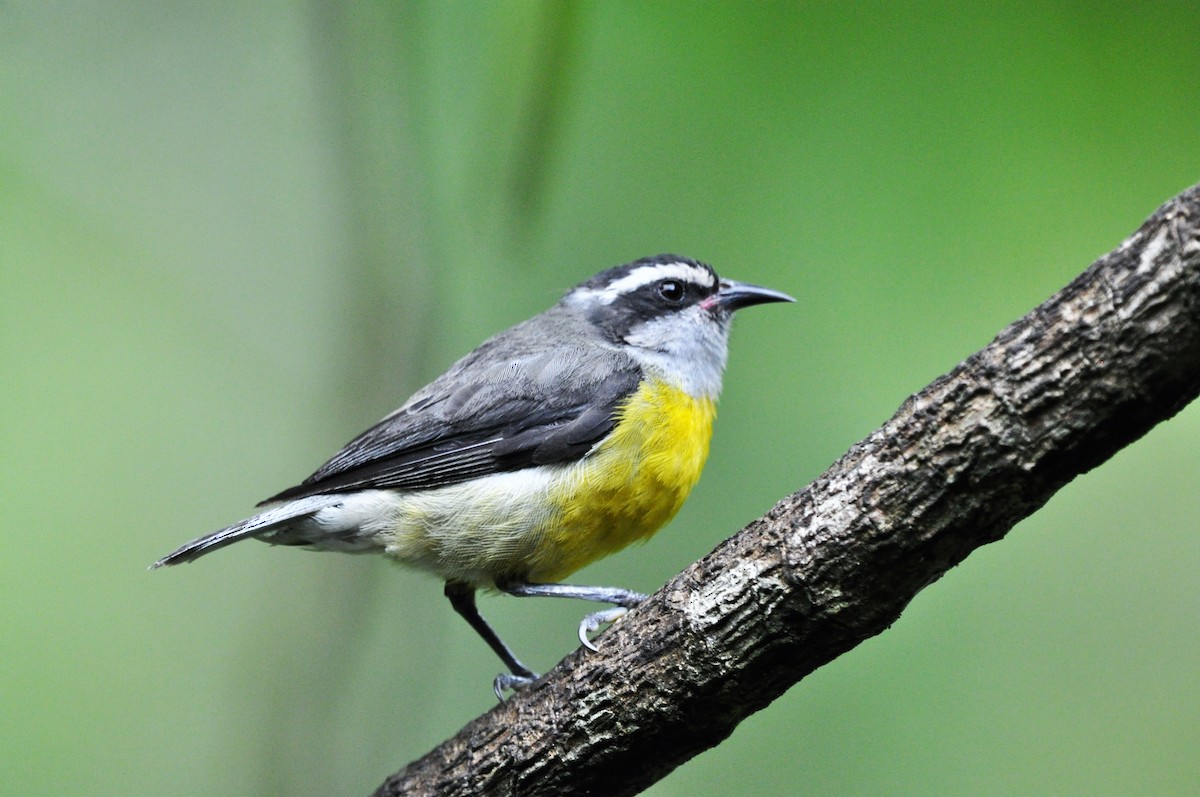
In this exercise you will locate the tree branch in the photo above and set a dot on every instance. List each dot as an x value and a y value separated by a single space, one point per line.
1054 395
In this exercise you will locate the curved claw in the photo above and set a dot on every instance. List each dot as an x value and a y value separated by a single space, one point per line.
506 681
593 621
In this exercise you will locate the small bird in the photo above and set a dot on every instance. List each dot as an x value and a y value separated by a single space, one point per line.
553 444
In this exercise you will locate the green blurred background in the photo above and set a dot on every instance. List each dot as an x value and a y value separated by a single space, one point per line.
234 234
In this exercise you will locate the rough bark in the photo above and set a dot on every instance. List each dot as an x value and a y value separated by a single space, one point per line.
1054 395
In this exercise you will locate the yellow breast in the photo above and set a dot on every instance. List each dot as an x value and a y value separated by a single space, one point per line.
632 484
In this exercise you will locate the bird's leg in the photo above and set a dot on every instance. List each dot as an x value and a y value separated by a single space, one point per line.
462 598
624 600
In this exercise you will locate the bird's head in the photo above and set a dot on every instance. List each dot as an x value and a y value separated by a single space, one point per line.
671 313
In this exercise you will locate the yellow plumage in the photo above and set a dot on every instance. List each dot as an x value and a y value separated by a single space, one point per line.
542 524
632 484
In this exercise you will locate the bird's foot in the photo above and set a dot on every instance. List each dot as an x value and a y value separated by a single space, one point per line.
507 681
596 619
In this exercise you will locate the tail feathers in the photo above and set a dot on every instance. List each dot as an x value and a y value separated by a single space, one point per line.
257 525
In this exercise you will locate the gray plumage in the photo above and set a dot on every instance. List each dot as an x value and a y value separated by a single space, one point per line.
523 397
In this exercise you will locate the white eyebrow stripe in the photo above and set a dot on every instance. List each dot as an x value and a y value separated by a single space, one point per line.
643 276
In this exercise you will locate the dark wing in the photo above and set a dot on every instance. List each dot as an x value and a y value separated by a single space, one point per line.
477 419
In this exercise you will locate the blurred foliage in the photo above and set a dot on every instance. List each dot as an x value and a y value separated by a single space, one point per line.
234 234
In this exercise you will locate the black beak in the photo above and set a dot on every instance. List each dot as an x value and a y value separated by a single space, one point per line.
736 295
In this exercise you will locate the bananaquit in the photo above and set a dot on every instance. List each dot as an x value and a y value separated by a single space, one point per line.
554 443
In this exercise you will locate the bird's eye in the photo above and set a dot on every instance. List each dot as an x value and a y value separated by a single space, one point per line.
671 290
